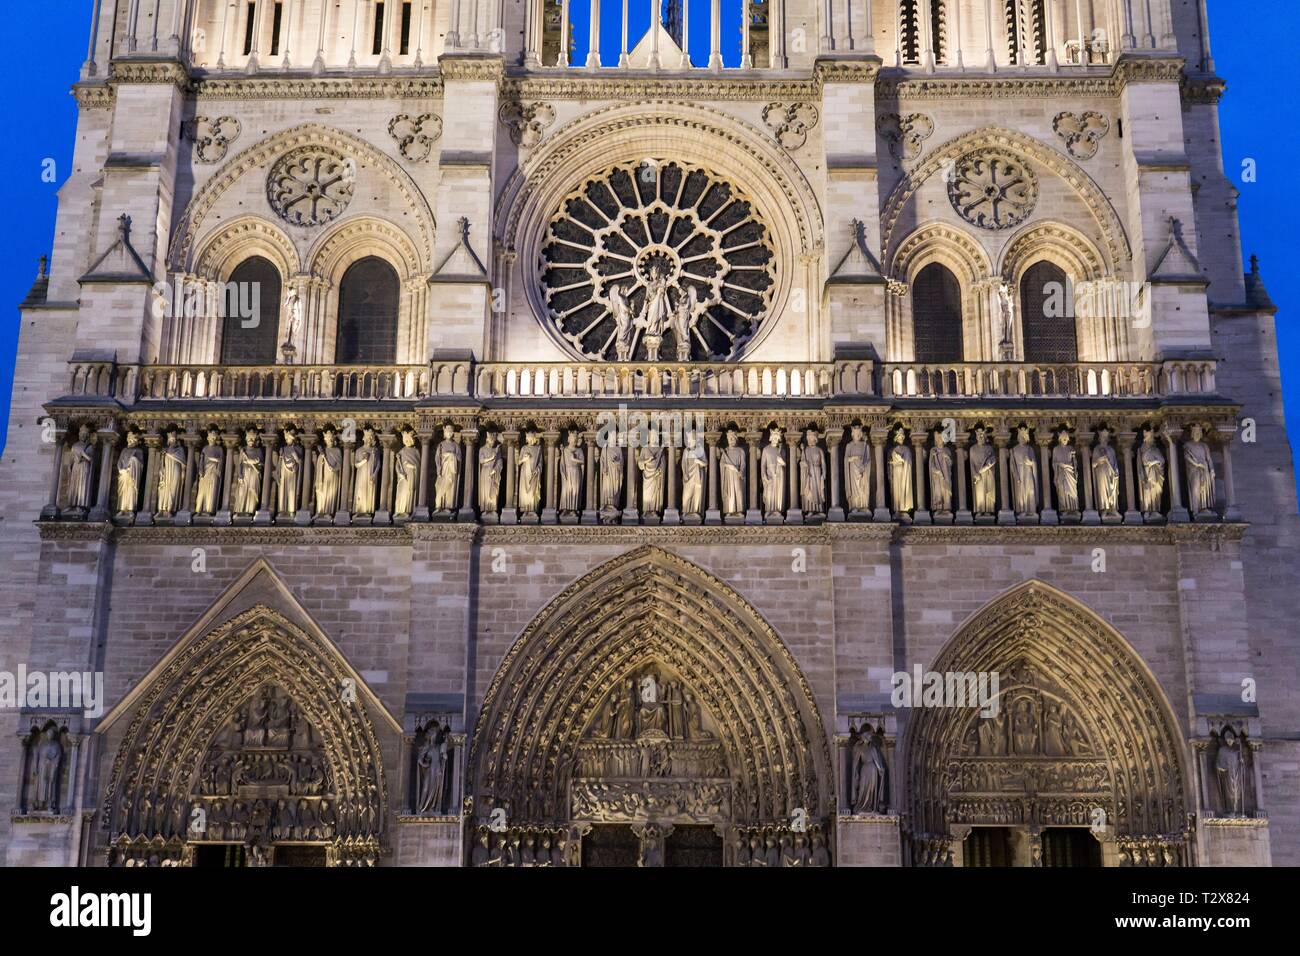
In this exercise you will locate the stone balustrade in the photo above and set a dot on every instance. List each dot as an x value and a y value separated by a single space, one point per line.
1082 380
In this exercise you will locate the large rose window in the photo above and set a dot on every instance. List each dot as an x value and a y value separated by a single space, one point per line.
992 190
650 261
311 186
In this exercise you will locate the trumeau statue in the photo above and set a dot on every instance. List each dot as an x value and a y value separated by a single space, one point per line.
731 470
46 761
624 330
812 476
695 467
447 460
130 472
573 461
857 472
329 474
367 461
611 476
248 479
171 475
1065 473
1151 473
941 462
1230 773
207 492
1105 473
900 466
1200 473
406 474
1024 475
81 469
490 468
868 773
983 474
431 770
772 466
530 474
288 477
650 460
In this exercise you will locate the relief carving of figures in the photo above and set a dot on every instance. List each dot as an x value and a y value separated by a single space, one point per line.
611 477
1230 774
812 476
868 772
248 480
329 474
900 464
650 460
530 474
1024 475
431 764
1151 473
447 460
731 470
1105 473
941 462
983 474
366 461
857 472
1065 473
1200 472
573 462
45 765
490 468
773 467
130 474
207 492
406 472
695 466
171 475
1024 727
288 477
81 469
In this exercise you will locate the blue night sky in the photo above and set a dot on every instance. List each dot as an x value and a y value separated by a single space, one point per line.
37 111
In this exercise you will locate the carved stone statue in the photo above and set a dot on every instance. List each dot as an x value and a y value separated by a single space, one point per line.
573 462
868 773
656 312
447 459
367 461
857 472
248 478
490 468
130 472
289 474
530 474
1230 772
1024 475
329 474
685 317
207 491
695 468
983 474
731 472
81 469
650 460
772 466
431 770
941 463
1200 473
611 476
1105 474
900 466
406 475
621 309
1151 473
47 759
812 476
1065 473
171 475
293 320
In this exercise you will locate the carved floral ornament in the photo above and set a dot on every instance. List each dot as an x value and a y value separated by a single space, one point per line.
415 135
527 123
992 189
1082 132
790 123
212 136
905 133
311 186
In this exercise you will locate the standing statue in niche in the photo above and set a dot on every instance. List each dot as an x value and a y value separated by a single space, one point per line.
650 460
130 471
611 476
731 471
868 773
900 475
1024 475
573 461
447 460
983 474
695 467
329 475
530 475
857 472
207 492
366 463
1105 474
431 770
289 475
81 470
624 329
657 311
171 475
1200 473
490 468
248 479
406 472
812 476
47 759
773 466
1230 772
293 322
1151 474
940 475
1065 473
685 317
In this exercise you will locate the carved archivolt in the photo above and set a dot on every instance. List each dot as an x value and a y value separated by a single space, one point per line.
1056 242
937 242
241 238
261 727
1081 727
550 727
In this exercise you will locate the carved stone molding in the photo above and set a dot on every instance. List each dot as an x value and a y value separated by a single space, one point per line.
790 123
1082 132
295 88
906 133
415 135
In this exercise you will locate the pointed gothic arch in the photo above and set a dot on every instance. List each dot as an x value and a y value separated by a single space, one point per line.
1082 724
651 611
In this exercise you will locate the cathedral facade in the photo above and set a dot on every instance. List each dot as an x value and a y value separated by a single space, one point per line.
461 432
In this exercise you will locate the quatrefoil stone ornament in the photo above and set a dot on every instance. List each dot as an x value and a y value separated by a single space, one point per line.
790 124
992 190
415 135
311 186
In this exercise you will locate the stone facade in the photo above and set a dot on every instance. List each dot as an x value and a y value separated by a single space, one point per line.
843 251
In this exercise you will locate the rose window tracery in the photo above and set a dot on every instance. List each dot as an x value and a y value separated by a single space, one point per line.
992 190
648 261
311 186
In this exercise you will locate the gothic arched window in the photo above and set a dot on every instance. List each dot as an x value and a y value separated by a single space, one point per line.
936 315
1047 319
251 309
368 303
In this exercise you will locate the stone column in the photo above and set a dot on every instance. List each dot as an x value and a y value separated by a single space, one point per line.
343 516
880 435
1132 507
1177 509
754 450
469 462
1006 514
384 506
263 514
185 514
307 493
1083 440
589 514
963 515
835 509
152 443
712 514
631 514
922 514
672 511
51 509
421 510
794 503
550 515
1043 438
108 442
229 441
510 511
1231 510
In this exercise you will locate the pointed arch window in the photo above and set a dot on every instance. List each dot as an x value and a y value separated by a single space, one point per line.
1048 320
936 315
252 293
369 295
